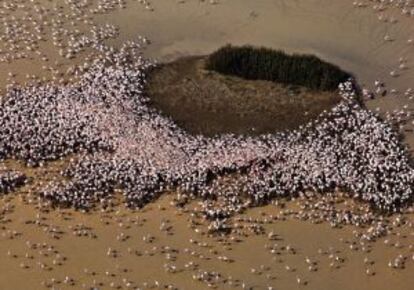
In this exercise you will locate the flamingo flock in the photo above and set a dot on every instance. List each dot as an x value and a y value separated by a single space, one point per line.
128 146
10 180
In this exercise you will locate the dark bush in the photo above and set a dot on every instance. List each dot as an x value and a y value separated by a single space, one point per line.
274 65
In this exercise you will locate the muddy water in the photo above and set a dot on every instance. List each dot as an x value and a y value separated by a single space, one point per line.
37 246
163 245
143 263
350 37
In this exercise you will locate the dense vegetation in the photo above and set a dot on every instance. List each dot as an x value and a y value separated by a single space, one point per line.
273 65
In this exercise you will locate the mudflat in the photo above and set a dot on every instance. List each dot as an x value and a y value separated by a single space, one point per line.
206 102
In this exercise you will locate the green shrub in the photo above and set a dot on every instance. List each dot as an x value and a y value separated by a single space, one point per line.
274 65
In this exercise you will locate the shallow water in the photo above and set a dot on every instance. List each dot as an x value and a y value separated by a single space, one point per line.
139 261
334 30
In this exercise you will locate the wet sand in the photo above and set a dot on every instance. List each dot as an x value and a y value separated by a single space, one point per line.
332 29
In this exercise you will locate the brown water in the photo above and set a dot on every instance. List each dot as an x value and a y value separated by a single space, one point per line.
333 29
141 261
